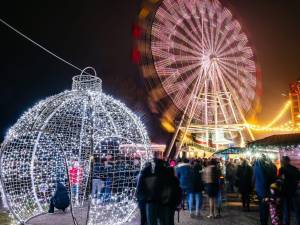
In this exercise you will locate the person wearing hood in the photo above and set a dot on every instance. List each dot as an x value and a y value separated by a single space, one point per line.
60 200
264 176
244 183
291 177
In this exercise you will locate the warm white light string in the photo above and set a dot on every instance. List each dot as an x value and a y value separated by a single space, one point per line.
40 46
86 123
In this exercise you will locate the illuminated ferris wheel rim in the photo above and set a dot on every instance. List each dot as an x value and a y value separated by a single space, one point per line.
161 39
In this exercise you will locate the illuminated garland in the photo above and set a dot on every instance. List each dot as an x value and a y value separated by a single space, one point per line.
66 131
286 127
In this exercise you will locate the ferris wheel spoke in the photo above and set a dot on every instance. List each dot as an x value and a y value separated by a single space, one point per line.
170 28
206 34
193 77
186 69
228 47
218 34
162 63
232 69
200 24
240 73
163 15
232 106
178 98
228 70
241 63
174 33
222 40
212 27
241 93
166 81
204 42
191 59
161 52
237 43
186 30
190 20
236 68
159 35
227 33
179 36
180 47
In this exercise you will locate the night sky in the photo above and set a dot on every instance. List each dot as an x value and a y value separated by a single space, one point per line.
98 33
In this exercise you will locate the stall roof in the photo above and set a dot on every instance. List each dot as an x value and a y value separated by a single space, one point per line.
278 140
227 151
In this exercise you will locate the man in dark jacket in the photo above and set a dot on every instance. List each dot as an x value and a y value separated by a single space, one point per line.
61 199
264 176
290 176
230 175
140 193
195 194
159 190
244 181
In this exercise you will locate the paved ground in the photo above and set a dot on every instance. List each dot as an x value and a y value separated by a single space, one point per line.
231 215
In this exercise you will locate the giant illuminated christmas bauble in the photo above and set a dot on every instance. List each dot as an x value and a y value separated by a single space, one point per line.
65 133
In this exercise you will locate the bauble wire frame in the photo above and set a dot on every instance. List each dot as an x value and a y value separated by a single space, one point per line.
63 134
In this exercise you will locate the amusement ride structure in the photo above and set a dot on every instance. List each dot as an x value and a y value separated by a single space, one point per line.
200 69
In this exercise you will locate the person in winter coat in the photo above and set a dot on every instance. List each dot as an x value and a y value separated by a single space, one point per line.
195 194
170 196
211 177
244 183
140 193
184 173
221 188
60 200
291 177
159 189
230 175
264 176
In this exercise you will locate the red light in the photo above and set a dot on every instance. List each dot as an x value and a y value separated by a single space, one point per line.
135 56
136 31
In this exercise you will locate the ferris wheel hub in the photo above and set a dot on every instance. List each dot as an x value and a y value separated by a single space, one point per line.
212 57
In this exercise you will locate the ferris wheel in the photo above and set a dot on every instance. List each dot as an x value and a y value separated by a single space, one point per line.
199 66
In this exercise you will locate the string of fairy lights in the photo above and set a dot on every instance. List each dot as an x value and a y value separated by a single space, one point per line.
86 124
285 127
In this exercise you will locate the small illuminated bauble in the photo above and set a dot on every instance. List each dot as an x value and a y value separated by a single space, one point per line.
66 131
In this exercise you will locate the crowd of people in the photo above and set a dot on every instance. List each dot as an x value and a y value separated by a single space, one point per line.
166 187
